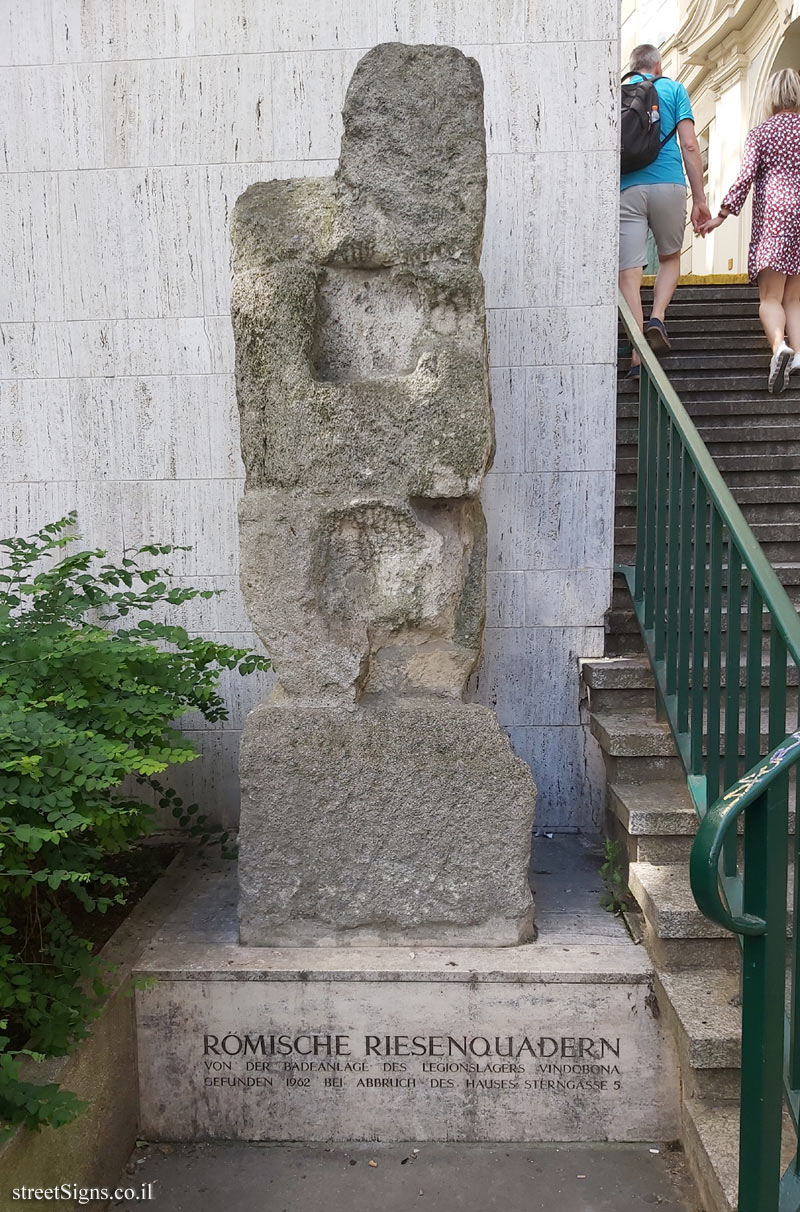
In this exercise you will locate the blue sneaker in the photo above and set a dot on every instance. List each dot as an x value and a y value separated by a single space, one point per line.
656 336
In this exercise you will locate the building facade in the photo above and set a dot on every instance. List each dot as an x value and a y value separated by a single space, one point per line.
129 132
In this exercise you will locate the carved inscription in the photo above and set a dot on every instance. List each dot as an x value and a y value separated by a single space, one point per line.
308 1060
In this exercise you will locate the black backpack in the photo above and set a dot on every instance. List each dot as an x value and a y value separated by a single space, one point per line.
640 125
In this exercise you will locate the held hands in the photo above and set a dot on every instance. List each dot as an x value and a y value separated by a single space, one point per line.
710 225
701 217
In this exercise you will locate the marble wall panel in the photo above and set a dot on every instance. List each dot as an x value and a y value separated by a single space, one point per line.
31 284
26 32
571 228
35 430
51 118
155 428
28 350
503 257
130 243
287 25
27 507
162 346
197 514
549 520
211 780
224 611
453 21
505 599
552 335
557 597
509 403
569 423
530 675
97 30
188 111
521 82
598 21
568 768
308 91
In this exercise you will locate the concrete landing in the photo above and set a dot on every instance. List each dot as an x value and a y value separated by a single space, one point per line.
445 1178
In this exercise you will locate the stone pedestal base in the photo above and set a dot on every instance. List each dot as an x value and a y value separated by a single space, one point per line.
407 822
543 1042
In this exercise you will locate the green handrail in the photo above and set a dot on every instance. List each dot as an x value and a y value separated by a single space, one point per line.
698 563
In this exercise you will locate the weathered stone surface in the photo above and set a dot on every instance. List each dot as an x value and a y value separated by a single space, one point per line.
356 597
375 804
366 824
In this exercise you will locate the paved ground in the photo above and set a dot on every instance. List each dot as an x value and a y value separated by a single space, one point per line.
408 1178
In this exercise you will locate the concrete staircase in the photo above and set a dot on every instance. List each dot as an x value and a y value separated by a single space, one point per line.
719 368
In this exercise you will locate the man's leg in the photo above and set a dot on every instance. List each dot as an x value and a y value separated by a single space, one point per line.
669 270
632 251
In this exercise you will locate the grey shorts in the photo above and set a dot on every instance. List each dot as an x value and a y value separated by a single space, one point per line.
662 208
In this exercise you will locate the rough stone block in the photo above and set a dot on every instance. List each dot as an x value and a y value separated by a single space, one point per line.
383 823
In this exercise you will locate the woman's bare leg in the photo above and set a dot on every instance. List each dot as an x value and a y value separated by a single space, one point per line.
770 311
791 308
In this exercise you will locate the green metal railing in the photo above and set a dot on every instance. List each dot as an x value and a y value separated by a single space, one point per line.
713 613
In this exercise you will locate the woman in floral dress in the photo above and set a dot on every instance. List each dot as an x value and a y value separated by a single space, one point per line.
771 165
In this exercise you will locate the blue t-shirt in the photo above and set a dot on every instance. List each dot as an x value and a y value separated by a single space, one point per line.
667 168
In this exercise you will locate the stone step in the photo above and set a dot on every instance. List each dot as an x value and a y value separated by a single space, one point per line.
666 900
697 382
653 809
632 734
706 1016
757 404
710 292
710 1139
724 433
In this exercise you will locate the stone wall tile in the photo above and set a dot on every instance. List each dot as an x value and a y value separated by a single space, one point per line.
35 435
167 427
28 350
552 335
188 111
571 228
569 418
505 599
521 82
51 118
509 404
568 769
549 520
308 91
530 675
503 257
26 32
285 25
564 597
144 255
30 261
211 780
594 22
86 348
451 21
119 29
199 514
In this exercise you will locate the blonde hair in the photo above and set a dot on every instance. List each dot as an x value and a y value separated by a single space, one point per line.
782 92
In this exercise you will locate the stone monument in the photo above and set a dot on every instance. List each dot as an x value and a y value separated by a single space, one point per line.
383 818
377 806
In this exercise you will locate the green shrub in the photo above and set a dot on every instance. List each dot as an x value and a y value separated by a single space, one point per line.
89 691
